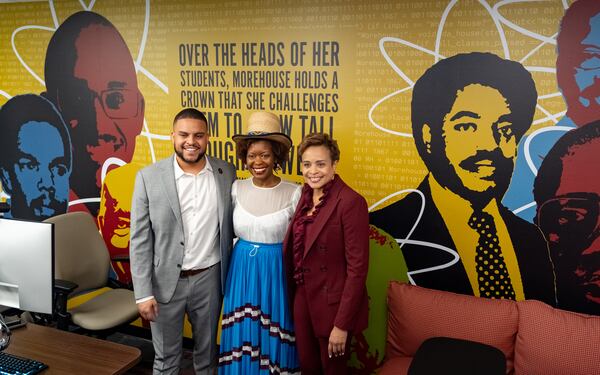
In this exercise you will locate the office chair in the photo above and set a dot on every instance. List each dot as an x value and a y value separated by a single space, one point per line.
81 265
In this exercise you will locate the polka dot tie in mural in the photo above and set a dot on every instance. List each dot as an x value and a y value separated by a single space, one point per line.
492 275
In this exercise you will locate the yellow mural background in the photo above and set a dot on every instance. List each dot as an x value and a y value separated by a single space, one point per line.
376 162
384 48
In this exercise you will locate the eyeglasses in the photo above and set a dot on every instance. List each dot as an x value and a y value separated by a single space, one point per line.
570 219
116 103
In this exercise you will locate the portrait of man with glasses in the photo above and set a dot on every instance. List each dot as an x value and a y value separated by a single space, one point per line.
567 191
91 78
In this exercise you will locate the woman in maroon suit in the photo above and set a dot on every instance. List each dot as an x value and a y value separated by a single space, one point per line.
326 251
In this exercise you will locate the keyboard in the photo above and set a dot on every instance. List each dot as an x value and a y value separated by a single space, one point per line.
12 364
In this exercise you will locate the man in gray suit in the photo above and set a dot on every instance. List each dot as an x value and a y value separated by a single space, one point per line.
181 239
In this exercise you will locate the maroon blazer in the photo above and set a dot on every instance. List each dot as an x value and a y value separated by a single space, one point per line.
336 261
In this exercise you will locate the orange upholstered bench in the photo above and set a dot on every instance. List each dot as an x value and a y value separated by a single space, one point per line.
534 337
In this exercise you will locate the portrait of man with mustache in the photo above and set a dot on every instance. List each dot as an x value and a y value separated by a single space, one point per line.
35 158
468 113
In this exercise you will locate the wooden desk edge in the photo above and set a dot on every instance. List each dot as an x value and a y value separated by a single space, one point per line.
26 335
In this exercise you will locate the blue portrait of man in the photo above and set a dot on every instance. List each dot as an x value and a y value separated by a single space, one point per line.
578 78
35 158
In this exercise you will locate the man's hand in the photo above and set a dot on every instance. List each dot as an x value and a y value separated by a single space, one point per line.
337 342
148 309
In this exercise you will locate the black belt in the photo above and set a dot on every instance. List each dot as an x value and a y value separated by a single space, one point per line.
188 273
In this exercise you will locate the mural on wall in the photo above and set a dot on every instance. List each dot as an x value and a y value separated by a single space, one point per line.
434 160
578 78
90 77
35 158
567 192
468 113
114 217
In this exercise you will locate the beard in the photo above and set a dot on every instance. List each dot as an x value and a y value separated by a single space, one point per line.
39 209
179 153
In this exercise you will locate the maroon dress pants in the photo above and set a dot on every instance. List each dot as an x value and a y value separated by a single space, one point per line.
312 350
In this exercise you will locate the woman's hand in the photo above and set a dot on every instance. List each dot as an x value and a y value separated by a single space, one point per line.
337 342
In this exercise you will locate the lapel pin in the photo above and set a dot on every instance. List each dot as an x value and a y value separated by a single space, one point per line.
220 171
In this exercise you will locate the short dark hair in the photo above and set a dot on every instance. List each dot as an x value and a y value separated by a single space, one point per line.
435 91
191 113
320 139
280 152
549 175
61 54
25 108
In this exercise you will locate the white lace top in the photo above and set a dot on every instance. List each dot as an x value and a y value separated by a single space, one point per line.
263 214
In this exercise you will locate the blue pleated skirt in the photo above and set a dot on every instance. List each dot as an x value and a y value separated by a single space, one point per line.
257 331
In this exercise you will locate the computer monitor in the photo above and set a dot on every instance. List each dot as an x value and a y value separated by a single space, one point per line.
26 265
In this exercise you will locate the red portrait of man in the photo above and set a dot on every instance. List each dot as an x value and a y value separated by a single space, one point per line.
91 78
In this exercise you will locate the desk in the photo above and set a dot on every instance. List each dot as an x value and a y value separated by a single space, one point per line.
70 353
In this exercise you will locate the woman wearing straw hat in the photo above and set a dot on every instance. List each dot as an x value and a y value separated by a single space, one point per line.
257 331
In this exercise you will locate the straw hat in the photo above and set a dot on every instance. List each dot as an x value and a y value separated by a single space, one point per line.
264 125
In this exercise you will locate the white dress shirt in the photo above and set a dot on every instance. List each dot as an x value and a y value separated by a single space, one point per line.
200 217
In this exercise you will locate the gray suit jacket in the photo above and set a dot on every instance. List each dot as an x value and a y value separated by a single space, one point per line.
157 239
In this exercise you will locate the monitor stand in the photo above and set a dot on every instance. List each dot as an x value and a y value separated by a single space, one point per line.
13 322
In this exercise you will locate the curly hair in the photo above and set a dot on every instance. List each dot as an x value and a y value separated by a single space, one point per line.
435 91
279 151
